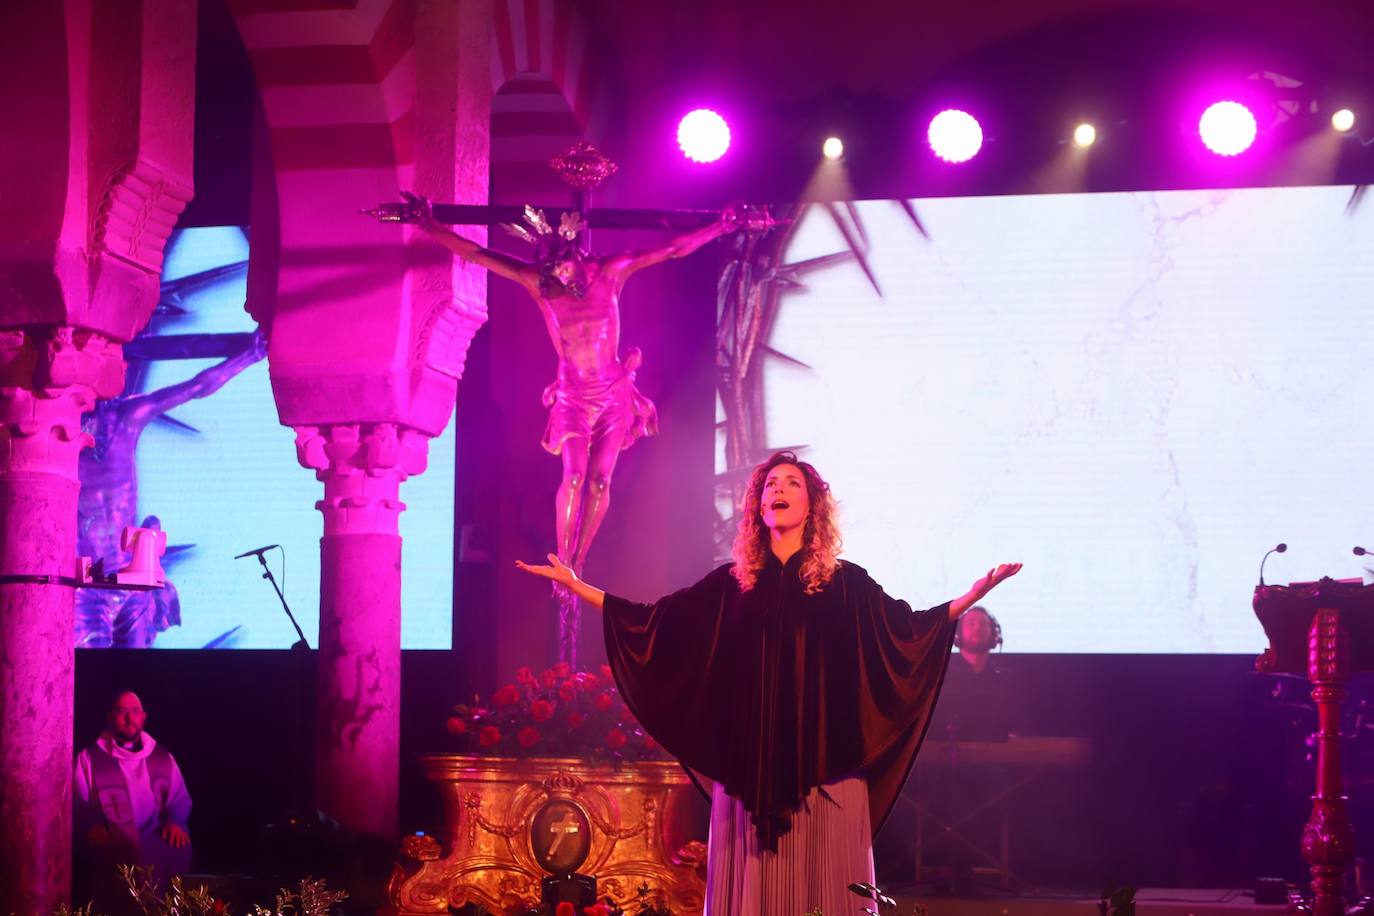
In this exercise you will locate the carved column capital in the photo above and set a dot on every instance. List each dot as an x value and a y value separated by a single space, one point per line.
362 466
49 377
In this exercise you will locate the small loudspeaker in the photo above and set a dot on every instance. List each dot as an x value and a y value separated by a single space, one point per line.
579 890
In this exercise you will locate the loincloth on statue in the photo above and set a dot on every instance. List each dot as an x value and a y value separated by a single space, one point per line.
597 408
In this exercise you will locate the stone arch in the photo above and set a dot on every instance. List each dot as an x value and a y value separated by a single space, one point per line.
358 100
548 40
369 333
547 93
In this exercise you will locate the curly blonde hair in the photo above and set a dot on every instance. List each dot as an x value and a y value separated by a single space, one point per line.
820 537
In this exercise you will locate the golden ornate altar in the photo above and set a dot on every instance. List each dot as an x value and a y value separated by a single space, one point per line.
508 823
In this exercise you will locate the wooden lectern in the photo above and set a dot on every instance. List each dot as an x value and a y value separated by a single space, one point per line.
1324 630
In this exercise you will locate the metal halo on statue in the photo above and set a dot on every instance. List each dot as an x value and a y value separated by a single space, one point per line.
583 166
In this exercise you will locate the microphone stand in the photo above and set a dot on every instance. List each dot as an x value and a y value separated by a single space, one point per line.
300 644
300 750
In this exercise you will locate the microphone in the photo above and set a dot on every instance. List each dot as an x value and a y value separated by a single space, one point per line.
1278 548
1360 552
262 550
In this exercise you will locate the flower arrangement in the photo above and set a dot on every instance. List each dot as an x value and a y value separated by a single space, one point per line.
558 712
567 909
647 905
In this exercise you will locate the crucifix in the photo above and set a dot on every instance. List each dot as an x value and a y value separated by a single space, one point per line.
595 410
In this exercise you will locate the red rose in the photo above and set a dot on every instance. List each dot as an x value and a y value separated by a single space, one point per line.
489 735
567 692
589 682
604 701
575 719
596 910
506 696
561 670
565 909
527 736
523 676
549 679
456 725
541 710
615 739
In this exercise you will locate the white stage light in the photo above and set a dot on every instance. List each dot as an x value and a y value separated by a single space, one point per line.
703 135
955 135
1227 128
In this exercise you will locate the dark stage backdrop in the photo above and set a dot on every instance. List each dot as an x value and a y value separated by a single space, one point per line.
1198 776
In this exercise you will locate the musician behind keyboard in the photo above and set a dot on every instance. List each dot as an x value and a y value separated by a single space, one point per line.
980 701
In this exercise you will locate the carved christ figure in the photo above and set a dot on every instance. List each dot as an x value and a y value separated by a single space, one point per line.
595 410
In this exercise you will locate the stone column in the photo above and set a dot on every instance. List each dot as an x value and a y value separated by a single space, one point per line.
99 104
358 717
369 332
48 377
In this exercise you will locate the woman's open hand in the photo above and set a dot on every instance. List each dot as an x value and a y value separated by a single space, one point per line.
979 589
557 570
995 576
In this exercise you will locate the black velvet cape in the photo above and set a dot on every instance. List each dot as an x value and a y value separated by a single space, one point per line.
772 692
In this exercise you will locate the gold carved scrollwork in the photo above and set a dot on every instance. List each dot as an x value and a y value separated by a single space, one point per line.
420 848
491 806
619 833
474 802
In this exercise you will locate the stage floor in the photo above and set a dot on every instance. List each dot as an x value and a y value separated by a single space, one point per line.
1168 901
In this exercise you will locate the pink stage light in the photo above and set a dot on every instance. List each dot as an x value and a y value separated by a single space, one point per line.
955 135
1227 128
703 135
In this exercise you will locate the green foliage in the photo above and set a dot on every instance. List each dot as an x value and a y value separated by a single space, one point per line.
65 910
311 898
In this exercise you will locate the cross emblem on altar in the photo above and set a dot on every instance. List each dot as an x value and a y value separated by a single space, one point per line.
562 828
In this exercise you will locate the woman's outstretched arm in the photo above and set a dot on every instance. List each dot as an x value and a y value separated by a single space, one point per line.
981 588
560 573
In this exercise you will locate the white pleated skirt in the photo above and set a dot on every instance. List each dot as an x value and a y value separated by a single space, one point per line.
829 847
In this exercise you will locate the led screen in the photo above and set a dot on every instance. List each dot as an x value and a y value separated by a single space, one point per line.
1134 394
220 473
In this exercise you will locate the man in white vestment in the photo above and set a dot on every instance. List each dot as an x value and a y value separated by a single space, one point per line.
131 803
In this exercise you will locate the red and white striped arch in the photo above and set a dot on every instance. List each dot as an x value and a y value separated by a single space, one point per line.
362 97
547 39
549 92
338 83
337 79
